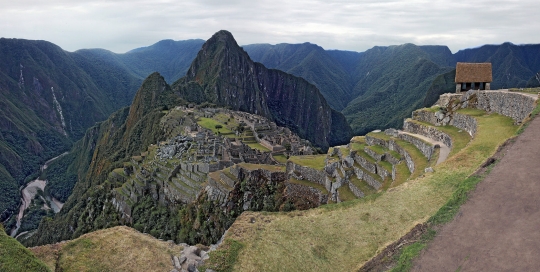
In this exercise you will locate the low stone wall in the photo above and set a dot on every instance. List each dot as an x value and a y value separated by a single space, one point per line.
371 167
392 145
426 148
440 118
382 172
391 159
465 122
317 176
427 131
514 105
229 181
375 141
367 178
378 157
357 192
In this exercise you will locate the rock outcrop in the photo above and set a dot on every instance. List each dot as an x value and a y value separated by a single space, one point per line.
223 74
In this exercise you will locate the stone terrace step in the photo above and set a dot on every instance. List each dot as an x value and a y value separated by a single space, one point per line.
184 187
406 150
429 131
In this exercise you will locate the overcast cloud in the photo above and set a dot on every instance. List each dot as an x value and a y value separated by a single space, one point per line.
122 25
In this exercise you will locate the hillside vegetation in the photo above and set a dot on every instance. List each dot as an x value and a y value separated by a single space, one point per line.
15 257
114 249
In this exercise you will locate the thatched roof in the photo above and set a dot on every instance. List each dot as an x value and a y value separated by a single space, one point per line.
473 72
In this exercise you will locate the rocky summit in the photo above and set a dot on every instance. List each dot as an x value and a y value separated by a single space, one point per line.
224 74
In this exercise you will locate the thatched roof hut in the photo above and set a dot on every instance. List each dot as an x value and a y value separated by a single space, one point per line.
473 76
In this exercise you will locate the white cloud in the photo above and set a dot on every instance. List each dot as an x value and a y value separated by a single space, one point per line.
122 25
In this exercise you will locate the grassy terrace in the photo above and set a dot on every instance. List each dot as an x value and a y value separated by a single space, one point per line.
280 158
341 237
420 162
459 139
313 161
216 176
345 193
211 124
309 184
268 167
259 147
362 185
377 149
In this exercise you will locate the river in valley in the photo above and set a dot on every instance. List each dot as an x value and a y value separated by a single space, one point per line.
30 191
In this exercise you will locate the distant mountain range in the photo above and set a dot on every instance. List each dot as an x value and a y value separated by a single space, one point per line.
50 97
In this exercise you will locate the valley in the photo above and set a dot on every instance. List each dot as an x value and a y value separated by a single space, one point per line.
29 193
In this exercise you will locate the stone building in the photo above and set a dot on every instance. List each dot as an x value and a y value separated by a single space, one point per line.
473 76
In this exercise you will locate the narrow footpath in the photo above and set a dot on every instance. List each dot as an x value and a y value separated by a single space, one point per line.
498 228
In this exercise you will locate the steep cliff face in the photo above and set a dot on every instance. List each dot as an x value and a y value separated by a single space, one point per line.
105 147
223 74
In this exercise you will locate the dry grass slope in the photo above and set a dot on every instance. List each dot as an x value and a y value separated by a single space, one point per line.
114 249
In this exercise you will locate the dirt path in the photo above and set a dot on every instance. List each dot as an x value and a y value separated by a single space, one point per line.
444 149
498 229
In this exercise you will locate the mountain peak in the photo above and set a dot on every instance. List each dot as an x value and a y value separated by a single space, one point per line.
224 74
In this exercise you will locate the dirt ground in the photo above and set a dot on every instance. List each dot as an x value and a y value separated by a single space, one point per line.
498 228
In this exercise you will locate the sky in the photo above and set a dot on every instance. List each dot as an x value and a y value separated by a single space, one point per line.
356 25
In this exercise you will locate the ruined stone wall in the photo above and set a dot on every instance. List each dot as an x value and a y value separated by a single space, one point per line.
443 118
427 131
357 192
465 122
376 141
426 148
371 167
514 105
360 174
378 157
392 145
316 176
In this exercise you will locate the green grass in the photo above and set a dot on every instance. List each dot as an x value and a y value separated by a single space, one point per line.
224 258
16 257
211 124
312 161
362 185
355 146
268 167
402 174
377 149
365 225
387 166
394 154
259 147
280 158
345 193
459 139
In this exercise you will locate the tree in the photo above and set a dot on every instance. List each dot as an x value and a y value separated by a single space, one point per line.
218 127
